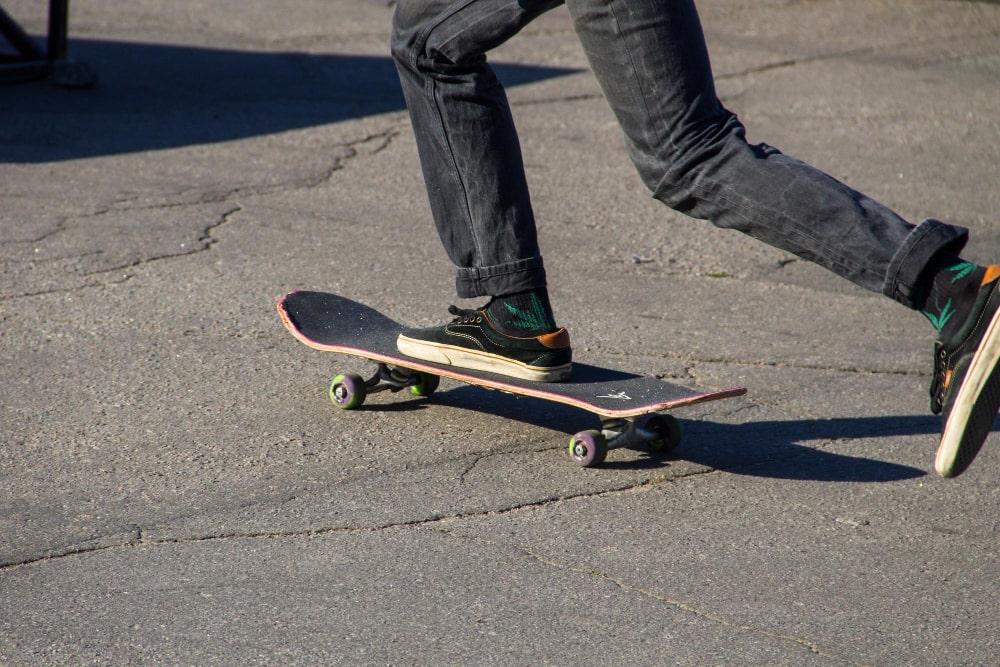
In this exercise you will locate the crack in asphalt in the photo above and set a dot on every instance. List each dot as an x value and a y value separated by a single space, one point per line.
725 414
138 532
793 62
380 140
676 604
64 290
759 363
59 227
649 483
507 451
207 239
47 260
468 468
138 539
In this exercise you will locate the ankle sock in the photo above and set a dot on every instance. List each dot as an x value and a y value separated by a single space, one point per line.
951 290
522 314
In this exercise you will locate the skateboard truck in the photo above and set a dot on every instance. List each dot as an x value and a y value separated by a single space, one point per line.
349 390
657 433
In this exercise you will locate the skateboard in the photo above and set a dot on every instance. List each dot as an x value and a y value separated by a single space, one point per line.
627 404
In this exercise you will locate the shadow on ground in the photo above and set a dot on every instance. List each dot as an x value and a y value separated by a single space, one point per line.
754 448
156 96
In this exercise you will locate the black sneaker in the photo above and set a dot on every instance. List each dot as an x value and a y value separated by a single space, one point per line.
966 385
471 340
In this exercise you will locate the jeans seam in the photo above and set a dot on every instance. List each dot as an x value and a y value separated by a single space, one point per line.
431 90
802 232
632 65
432 87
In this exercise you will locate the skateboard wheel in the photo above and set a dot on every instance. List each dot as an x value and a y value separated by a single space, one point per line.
668 431
426 386
348 391
588 448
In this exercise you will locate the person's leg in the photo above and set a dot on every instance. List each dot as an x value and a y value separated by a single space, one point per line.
469 150
471 160
652 63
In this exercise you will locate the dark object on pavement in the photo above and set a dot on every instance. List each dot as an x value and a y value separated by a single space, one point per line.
31 63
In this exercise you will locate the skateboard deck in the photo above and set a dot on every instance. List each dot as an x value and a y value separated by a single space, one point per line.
333 323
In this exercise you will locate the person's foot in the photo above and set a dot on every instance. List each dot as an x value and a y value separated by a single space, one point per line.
966 384
474 340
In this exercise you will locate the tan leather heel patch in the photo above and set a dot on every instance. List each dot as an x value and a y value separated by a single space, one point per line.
992 273
556 339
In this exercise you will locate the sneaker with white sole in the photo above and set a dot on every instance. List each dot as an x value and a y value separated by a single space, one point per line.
471 340
966 384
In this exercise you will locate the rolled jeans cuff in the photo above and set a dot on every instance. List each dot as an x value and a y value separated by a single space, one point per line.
902 280
499 279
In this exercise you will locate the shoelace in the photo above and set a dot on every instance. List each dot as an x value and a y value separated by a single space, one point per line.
465 316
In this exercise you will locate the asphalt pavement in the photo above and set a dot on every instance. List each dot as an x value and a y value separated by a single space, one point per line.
177 488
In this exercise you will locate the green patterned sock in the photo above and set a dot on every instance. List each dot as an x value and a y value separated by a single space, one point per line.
522 314
951 290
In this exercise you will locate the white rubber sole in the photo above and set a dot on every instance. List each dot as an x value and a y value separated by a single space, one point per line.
979 372
480 361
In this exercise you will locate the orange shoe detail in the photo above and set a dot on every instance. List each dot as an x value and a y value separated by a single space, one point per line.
992 273
555 340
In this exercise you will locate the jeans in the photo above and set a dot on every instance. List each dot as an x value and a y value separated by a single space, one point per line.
650 59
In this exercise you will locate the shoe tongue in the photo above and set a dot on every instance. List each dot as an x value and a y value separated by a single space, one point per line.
460 312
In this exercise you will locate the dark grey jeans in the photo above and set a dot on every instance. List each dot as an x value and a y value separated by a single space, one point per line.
650 59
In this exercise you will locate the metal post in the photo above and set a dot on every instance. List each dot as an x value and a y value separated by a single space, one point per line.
19 39
58 22
31 63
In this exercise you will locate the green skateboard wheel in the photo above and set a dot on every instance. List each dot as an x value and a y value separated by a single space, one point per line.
348 391
426 386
